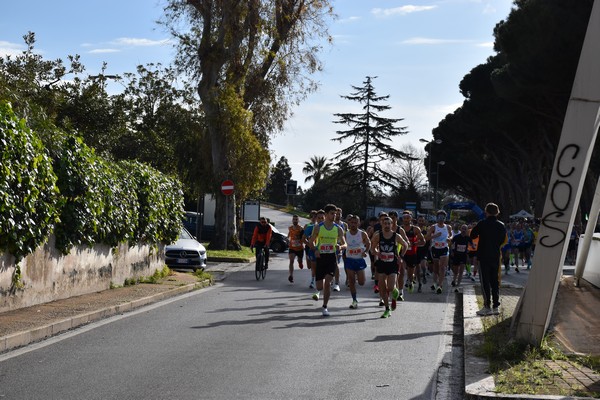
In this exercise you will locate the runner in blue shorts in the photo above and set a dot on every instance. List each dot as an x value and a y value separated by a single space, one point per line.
358 245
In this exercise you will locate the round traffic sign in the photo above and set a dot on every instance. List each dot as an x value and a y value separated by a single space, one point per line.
227 188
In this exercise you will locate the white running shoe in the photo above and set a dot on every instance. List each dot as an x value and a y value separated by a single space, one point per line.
325 312
484 312
336 288
354 305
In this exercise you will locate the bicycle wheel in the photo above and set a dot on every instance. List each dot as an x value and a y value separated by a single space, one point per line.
259 266
264 268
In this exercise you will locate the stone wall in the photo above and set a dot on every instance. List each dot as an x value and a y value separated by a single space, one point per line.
48 275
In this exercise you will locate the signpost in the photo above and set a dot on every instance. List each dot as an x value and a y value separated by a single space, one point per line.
227 188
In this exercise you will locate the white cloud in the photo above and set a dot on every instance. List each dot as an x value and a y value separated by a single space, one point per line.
404 10
348 20
101 51
138 42
489 45
432 41
10 49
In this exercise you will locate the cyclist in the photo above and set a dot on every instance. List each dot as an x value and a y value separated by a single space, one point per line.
262 238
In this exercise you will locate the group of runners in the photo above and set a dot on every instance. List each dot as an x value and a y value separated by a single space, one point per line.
402 252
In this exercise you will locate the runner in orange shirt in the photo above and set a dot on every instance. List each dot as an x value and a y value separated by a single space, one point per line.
295 232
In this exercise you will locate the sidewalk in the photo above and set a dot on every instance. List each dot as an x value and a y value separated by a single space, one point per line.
574 332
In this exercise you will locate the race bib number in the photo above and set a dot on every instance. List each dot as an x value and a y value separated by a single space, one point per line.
386 257
295 243
326 248
440 245
461 248
354 252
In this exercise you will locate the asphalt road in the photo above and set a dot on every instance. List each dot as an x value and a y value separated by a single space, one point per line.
245 339
242 339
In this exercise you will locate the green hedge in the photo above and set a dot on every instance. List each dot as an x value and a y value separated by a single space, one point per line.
83 198
29 198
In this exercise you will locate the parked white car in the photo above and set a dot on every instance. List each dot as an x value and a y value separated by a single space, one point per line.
185 253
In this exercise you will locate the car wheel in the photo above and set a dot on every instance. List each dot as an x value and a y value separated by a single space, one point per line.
277 247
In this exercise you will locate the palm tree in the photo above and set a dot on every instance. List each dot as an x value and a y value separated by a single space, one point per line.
317 168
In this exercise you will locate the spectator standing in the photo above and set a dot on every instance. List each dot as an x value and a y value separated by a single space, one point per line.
492 235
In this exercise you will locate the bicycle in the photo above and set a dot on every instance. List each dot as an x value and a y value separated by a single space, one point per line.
260 271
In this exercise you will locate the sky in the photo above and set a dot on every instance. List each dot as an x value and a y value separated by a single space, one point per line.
418 50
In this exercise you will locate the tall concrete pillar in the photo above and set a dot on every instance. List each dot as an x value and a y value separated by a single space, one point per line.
573 155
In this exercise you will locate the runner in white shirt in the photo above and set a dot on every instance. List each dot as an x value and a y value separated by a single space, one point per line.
358 245
439 234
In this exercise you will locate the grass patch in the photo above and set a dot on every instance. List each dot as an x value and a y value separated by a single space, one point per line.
203 275
242 255
519 368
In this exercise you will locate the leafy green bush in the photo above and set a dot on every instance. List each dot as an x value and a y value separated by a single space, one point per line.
85 199
28 193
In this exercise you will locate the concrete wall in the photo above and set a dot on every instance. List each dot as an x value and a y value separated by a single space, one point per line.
592 265
48 275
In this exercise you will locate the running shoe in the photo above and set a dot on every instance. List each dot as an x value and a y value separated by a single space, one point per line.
376 289
495 311
401 297
354 305
381 303
472 279
315 296
484 311
433 287
291 279
517 270
325 312
336 288
312 285
411 288
386 314
395 293
439 290
456 290
393 304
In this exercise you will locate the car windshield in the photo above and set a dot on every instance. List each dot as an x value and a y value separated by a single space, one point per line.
184 234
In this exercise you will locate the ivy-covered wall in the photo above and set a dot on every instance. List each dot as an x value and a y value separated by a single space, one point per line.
78 197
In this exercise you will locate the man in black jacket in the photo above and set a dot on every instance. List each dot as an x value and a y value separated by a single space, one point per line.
492 235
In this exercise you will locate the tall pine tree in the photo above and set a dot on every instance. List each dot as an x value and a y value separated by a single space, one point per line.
371 146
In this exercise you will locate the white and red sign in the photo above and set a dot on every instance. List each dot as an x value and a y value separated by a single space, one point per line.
227 188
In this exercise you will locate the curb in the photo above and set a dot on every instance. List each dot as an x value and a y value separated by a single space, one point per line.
20 339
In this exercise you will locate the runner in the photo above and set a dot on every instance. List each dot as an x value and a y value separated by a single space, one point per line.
296 249
472 262
517 237
310 255
385 248
415 241
326 238
401 264
422 255
440 234
460 244
358 245
370 232
341 253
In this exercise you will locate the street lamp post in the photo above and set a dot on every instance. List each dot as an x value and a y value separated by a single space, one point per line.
436 141
437 182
